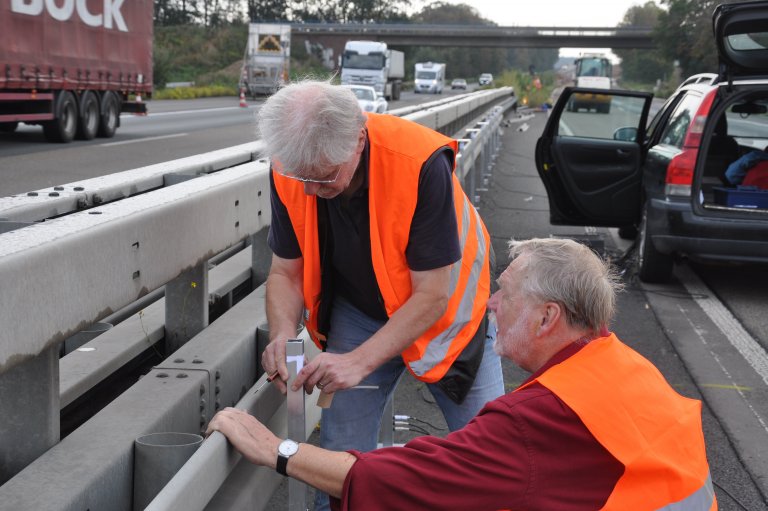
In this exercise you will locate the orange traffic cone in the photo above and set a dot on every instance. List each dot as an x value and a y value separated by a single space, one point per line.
243 102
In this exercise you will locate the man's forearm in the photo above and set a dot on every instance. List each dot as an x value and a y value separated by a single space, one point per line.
323 469
284 304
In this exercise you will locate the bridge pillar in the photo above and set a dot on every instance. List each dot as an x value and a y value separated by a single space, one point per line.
186 306
29 406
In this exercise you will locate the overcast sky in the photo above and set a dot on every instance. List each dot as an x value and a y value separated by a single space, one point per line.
572 13
553 13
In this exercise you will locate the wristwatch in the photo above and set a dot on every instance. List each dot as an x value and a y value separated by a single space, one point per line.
285 450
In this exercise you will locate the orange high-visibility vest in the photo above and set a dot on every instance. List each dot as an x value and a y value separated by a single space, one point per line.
632 411
397 151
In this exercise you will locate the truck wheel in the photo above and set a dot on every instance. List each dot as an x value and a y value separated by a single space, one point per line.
8 127
64 125
110 112
396 91
88 121
652 265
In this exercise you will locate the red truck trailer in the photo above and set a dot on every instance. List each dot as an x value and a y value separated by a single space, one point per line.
72 66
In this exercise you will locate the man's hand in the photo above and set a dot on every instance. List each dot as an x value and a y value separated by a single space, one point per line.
284 307
331 372
249 436
273 359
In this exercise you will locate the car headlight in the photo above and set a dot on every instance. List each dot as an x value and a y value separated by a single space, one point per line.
369 108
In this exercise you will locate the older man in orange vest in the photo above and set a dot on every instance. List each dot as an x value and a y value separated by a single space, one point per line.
596 426
379 251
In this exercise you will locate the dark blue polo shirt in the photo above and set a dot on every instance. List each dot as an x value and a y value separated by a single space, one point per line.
433 241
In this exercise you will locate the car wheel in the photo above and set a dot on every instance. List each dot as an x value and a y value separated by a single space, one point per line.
652 265
628 232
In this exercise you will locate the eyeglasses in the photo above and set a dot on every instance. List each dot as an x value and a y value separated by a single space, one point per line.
313 180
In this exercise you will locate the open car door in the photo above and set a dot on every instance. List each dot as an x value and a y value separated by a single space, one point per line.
590 162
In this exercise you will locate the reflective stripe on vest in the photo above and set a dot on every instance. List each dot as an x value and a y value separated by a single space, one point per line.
397 151
438 347
647 426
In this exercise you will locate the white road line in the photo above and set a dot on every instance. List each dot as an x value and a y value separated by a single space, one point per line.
184 112
739 338
145 139
716 358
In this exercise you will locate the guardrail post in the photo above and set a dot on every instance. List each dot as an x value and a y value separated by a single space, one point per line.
29 407
186 306
294 355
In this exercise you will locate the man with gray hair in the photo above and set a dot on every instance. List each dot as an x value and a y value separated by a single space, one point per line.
377 248
596 426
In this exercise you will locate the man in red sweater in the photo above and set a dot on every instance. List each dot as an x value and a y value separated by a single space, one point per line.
596 426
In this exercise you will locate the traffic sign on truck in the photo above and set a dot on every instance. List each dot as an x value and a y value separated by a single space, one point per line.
372 63
267 58
73 66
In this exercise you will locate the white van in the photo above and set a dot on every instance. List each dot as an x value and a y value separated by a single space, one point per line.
429 77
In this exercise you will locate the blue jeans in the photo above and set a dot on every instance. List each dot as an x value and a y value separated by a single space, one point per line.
354 419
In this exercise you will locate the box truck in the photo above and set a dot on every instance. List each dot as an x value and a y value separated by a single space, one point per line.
267 58
73 66
372 63
429 77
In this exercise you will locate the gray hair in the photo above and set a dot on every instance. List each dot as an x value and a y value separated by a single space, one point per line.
310 124
571 274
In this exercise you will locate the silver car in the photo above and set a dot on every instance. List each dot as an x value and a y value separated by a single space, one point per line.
368 100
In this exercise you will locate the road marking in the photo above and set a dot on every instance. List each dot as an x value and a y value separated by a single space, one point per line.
700 333
145 139
727 387
739 338
181 112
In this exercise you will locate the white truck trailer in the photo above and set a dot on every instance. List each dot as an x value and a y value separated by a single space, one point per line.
429 77
372 63
267 58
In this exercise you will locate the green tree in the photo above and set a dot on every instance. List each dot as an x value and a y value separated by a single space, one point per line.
342 11
470 62
645 66
684 33
267 10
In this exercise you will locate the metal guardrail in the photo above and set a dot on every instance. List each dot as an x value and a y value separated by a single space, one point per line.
81 267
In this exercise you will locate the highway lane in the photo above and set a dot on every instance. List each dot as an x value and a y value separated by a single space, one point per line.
173 129
184 128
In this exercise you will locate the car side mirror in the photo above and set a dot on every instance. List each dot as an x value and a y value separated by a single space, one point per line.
627 134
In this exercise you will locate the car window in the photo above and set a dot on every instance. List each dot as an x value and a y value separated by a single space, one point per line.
680 120
600 116
363 94
748 122
663 113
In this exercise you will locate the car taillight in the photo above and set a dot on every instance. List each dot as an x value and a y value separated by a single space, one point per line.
681 167
680 172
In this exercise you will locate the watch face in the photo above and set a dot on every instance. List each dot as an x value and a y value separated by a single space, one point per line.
288 448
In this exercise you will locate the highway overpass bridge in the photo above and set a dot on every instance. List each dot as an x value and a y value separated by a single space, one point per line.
334 35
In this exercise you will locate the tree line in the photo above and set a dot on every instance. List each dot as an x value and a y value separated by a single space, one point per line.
683 35
682 31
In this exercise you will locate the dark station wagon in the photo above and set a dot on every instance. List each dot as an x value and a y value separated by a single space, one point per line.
667 181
